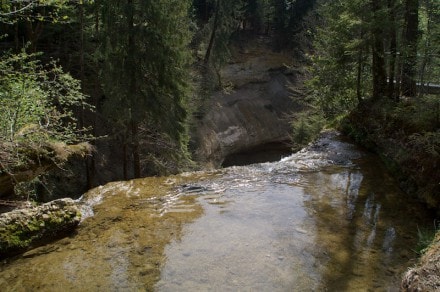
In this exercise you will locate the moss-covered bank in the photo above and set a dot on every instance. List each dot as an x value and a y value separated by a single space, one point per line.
26 228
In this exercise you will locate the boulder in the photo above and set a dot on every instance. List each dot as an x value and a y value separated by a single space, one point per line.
26 228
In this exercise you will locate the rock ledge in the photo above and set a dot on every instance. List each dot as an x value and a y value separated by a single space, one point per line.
26 228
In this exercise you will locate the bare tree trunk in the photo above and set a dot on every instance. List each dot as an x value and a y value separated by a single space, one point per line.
16 39
379 73
409 62
427 45
132 90
125 159
393 49
359 76
33 32
135 150
213 32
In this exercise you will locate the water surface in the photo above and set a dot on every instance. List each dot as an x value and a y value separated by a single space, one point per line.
327 218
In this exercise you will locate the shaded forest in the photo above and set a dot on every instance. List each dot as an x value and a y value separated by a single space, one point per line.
135 74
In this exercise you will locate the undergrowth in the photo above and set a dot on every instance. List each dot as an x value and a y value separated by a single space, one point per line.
425 238
406 135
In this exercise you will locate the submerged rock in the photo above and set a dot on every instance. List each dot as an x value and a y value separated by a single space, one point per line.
26 228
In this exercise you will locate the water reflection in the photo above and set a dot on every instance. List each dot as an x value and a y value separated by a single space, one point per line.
362 227
328 218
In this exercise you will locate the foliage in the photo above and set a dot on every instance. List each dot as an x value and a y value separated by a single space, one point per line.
429 60
338 61
417 116
34 10
37 104
306 126
145 72
161 154
425 238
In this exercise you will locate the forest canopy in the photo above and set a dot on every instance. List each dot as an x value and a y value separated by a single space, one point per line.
136 71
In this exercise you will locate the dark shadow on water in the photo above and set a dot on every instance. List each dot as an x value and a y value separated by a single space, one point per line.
269 152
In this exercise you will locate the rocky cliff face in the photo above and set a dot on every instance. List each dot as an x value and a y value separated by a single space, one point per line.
254 109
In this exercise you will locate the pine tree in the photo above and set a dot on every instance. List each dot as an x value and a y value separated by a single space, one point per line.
378 51
341 77
145 73
411 34
430 38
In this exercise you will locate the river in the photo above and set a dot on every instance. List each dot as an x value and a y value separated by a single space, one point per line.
328 218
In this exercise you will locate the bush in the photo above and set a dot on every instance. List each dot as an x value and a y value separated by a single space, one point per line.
36 105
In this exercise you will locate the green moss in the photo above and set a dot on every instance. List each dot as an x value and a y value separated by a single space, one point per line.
27 230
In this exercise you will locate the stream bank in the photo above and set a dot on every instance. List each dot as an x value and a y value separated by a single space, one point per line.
412 154
410 148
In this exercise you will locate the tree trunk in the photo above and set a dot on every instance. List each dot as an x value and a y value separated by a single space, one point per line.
16 39
132 90
33 33
379 73
427 46
409 62
393 49
213 32
359 75
135 150
125 160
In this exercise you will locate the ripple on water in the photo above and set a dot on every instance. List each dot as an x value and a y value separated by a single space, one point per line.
328 218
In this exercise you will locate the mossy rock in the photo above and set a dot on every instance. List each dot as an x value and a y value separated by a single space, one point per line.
23 229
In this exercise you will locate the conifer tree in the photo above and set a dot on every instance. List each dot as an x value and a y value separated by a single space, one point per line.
145 77
429 40
410 39
378 51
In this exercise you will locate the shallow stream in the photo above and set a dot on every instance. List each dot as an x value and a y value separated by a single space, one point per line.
328 218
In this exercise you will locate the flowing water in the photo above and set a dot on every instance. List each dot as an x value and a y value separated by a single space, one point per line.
328 218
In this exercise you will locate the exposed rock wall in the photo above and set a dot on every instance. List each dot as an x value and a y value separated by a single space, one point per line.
255 108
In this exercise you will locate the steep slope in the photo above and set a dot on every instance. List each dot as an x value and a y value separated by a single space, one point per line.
252 109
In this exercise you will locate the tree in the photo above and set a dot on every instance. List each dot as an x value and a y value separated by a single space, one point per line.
224 23
32 15
37 122
378 52
392 35
254 15
341 76
410 42
145 74
430 38
39 98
